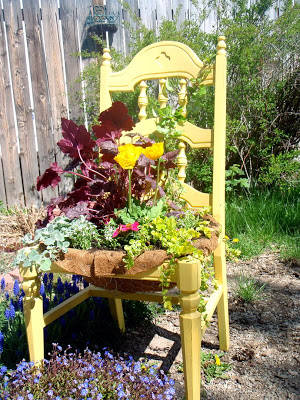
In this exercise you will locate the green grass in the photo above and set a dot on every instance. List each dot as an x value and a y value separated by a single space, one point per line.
248 289
264 220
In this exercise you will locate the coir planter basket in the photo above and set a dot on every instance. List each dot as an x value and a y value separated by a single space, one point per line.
100 267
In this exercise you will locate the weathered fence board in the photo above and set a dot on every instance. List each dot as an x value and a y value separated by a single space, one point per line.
36 55
163 10
16 49
130 21
8 138
55 74
2 187
114 7
71 50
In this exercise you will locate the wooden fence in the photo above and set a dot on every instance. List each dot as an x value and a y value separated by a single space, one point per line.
40 44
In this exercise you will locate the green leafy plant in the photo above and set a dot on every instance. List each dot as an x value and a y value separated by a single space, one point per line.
50 242
232 252
234 179
212 366
248 289
282 171
169 119
141 212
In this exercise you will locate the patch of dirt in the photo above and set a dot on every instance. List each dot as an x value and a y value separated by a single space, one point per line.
264 337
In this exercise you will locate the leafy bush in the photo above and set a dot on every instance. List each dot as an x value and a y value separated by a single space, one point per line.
282 171
67 375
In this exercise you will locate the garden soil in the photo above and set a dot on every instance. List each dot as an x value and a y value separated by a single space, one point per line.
264 352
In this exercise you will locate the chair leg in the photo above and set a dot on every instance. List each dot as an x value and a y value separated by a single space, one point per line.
33 314
222 307
116 310
190 326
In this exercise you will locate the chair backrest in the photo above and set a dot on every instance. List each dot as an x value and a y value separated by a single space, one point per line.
173 59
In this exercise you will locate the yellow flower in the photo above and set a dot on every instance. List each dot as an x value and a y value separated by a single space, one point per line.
235 240
155 151
218 362
226 237
128 155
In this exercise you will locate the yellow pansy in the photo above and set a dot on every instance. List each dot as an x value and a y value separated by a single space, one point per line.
128 155
155 151
235 240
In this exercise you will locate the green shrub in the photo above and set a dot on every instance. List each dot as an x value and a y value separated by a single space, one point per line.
282 171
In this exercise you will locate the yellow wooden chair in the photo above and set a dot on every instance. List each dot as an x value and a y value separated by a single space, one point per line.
160 61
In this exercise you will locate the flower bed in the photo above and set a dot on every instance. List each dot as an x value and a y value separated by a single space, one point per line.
91 376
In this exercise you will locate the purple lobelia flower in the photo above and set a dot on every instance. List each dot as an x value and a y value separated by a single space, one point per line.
2 284
6 296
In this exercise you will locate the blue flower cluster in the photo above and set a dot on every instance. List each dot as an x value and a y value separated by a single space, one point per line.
90 376
13 303
11 310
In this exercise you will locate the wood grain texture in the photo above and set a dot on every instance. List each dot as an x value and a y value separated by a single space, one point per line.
130 21
114 7
56 84
71 50
28 154
2 182
8 138
40 90
82 12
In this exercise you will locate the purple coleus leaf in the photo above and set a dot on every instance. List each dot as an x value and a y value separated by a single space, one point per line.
51 177
77 141
169 159
80 209
108 147
106 131
88 168
118 116
113 121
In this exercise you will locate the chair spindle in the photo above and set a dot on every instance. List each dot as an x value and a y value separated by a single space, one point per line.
181 162
162 96
143 101
182 95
